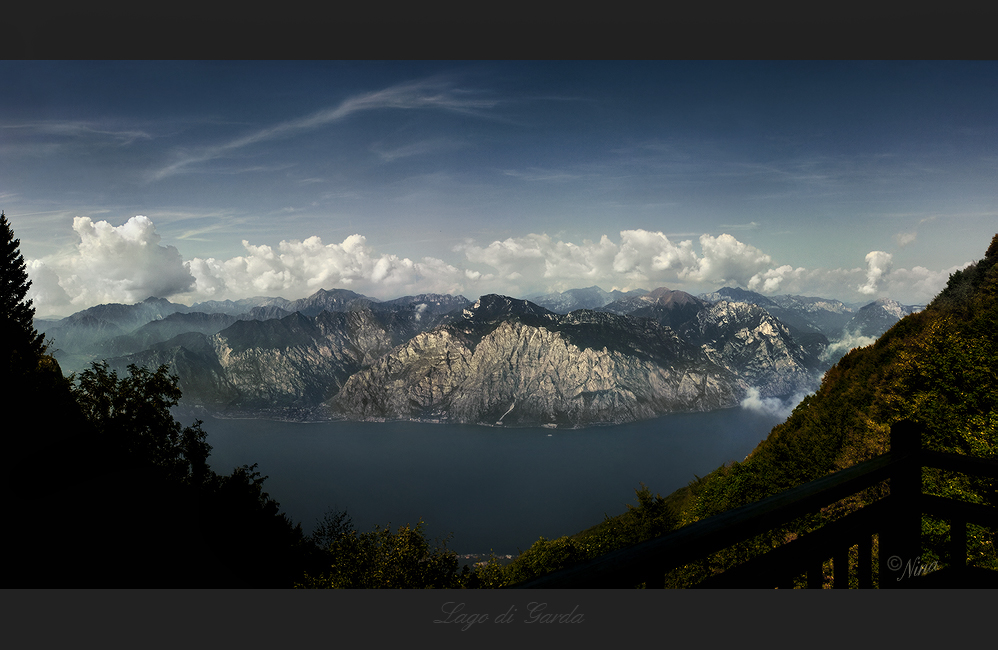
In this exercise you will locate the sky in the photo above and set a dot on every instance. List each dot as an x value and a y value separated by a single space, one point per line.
214 180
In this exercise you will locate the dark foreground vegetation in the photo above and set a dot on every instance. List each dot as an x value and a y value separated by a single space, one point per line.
109 490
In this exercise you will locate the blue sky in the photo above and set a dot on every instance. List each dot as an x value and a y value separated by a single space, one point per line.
214 180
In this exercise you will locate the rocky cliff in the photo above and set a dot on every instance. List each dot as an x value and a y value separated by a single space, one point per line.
295 362
513 362
499 359
754 345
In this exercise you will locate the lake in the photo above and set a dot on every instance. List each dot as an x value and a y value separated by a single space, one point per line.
495 489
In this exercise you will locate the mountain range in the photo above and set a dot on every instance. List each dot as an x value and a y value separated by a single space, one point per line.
577 358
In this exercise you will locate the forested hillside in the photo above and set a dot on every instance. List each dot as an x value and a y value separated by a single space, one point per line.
938 367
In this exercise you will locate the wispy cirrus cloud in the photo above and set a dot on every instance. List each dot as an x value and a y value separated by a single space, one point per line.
427 94
420 148
534 174
79 129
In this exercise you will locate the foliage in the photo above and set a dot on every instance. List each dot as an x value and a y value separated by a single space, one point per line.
652 517
132 416
108 490
252 543
382 559
938 367
21 343
405 559
137 488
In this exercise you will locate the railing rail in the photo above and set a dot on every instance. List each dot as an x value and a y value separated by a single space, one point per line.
896 519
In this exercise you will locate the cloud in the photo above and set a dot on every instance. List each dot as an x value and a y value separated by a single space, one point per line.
300 268
645 255
727 260
46 293
771 280
420 148
534 174
643 258
78 129
849 340
649 259
127 263
905 238
878 265
920 284
123 263
427 94
772 406
538 260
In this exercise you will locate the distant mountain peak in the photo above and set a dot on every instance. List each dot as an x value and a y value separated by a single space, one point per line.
655 294
737 294
669 297
494 306
884 302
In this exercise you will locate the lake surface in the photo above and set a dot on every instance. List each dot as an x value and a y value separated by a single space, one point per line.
495 489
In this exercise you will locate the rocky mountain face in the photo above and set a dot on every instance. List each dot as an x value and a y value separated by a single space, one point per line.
513 362
825 315
330 300
752 343
290 364
406 317
878 317
500 359
743 337
826 328
670 308
809 323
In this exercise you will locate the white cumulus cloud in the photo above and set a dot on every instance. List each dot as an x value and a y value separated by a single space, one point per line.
920 283
300 268
878 265
645 255
728 261
773 406
123 263
848 341
128 263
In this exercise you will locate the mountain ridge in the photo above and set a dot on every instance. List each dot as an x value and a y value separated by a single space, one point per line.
302 359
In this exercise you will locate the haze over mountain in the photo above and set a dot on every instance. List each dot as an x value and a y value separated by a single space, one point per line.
507 360
338 353
588 298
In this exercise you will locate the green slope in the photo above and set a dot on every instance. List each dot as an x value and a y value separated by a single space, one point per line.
938 367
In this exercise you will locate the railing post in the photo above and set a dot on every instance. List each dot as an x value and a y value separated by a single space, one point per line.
815 574
901 542
864 569
840 568
958 546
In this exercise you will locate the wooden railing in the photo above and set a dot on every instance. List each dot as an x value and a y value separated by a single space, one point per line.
895 520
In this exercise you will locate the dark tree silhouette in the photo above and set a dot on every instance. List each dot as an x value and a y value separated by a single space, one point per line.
22 344
31 381
132 417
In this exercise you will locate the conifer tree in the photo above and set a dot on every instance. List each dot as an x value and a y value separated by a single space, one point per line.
22 345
